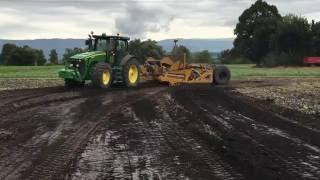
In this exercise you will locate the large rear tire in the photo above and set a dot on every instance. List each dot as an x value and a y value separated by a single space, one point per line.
131 73
102 75
222 75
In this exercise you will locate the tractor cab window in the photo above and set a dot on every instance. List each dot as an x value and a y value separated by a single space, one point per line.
101 44
104 44
111 44
121 45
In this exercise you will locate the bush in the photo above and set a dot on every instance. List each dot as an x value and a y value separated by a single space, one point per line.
201 57
270 60
283 59
235 60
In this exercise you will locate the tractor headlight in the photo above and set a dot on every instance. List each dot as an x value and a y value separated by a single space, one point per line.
71 65
77 65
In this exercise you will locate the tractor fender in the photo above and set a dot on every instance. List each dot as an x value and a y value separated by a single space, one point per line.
126 59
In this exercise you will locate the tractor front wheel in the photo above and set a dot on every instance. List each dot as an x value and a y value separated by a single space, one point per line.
102 75
131 73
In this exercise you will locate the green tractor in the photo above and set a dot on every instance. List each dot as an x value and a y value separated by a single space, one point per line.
107 61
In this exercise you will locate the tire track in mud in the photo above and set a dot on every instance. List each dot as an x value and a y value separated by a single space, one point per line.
58 158
31 130
157 133
268 150
53 160
286 147
107 155
259 113
17 99
37 101
29 98
110 154
175 115
143 141
11 95
23 152
28 101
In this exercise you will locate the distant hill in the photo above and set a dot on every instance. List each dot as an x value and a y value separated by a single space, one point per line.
195 45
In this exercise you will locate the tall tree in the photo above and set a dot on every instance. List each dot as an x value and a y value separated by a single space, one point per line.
7 50
255 27
70 52
315 36
53 57
136 49
13 55
23 56
144 49
179 52
202 57
293 37
41 59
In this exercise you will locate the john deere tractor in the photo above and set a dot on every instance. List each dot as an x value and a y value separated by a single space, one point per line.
107 61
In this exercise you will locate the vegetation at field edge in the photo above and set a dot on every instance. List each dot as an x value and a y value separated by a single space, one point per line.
250 70
29 71
237 71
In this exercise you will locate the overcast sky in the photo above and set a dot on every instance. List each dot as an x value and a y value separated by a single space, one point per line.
155 19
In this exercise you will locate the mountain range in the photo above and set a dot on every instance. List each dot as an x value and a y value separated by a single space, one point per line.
195 45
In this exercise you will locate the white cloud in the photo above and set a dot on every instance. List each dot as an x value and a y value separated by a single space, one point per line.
155 19
139 19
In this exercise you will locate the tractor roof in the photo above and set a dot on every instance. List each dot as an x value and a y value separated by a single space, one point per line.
111 37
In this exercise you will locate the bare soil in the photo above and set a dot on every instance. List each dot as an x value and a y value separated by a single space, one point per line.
27 83
154 132
298 98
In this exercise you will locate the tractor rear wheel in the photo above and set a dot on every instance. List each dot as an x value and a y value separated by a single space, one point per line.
131 73
102 75
70 83
221 75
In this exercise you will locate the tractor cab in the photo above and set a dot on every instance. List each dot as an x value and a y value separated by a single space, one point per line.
107 43
114 46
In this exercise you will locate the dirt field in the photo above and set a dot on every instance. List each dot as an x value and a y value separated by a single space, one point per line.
300 94
28 83
155 132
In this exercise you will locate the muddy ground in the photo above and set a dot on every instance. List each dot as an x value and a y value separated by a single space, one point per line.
154 132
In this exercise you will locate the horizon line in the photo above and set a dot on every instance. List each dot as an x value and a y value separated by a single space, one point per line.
33 39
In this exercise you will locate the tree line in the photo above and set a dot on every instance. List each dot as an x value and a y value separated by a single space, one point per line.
266 38
14 55
26 56
149 48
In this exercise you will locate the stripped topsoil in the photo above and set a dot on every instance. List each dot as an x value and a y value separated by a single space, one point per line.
154 132
297 98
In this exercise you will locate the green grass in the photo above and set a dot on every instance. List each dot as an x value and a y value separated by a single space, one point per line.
29 71
238 71
247 71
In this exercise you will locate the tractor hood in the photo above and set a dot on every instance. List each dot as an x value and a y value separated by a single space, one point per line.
87 55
